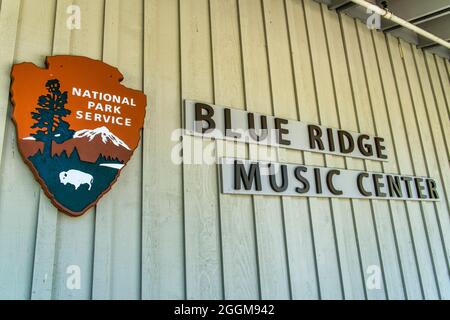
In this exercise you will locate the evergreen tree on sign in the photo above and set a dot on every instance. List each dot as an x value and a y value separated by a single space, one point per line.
49 117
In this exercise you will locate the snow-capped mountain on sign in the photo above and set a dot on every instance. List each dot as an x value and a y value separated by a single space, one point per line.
104 133
89 144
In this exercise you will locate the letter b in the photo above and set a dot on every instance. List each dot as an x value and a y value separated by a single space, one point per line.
200 117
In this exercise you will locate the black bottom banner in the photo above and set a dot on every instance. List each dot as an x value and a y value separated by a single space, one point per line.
230 309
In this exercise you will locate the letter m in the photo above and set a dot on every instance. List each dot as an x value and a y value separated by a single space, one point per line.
241 176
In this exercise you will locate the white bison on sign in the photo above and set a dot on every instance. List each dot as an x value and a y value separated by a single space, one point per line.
76 178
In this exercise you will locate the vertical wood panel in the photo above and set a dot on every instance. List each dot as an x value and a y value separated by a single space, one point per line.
352 269
271 225
236 213
75 237
9 23
418 243
399 240
201 203
298 221
258 98
439 97
433 118
116 273
427 167
445 127
366 224
421 210
322 210
163 261
17 217
45 252
424 163
383 210
444 80
447 67
405 233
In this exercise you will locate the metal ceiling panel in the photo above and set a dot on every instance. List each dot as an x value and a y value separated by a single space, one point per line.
431 15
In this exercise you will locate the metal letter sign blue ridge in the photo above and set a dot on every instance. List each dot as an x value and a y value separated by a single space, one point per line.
76 126
219 122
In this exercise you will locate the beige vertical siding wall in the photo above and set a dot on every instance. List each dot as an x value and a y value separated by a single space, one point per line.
165 231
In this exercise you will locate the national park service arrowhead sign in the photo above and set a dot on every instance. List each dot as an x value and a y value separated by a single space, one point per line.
77 127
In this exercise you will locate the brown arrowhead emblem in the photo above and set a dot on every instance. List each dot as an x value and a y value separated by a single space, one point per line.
77 127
